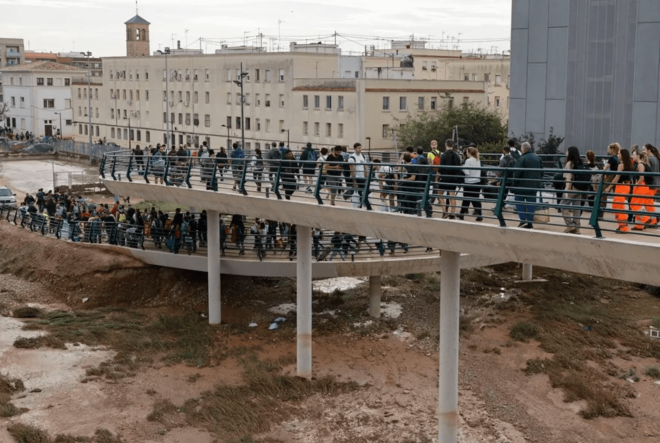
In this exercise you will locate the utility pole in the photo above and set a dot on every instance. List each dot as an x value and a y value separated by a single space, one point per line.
167 97
240 83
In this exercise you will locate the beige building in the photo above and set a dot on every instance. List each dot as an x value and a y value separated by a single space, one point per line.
12 53
310 94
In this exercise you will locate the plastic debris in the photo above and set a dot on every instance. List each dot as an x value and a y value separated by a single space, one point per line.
588 328
85 300
280 320
273 326
253 325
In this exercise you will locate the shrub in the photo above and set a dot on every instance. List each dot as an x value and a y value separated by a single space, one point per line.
525 330
653 371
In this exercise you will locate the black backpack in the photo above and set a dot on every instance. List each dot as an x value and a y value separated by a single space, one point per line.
581 177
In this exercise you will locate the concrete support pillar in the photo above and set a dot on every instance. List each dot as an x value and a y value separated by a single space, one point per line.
527 272
375 292
213 259
304 300
450 283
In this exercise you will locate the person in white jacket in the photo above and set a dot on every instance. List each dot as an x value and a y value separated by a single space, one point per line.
472 188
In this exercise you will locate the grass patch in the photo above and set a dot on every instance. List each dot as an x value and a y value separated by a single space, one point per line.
30 434
266 397
653 372
655 322
524 331
138 340
8 387
27 312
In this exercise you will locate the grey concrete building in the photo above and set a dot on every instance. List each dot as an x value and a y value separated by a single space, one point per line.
588 68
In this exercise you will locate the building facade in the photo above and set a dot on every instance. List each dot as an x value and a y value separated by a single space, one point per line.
589 69
39 98
287 96
12 53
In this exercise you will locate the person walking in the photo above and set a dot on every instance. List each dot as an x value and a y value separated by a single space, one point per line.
526 183
472 188
621 184
257 165
308 158
642 195
450 177
221 159
289 169
356 163
611 165
654 184
333 167
574 187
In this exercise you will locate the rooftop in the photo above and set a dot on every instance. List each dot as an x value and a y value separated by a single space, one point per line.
42 66
137 20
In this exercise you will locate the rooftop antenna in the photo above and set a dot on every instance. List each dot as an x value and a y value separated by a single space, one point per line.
279 33
186 33
136 7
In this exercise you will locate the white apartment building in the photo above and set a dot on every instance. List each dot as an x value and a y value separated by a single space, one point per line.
39 97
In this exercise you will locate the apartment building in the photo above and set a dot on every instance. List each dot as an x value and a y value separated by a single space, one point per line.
287 96
39 97
12 53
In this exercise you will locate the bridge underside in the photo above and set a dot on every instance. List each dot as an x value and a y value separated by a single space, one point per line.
612 258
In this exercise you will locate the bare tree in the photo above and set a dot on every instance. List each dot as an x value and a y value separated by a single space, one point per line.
4 110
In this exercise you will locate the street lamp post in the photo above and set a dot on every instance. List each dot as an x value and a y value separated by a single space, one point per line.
89 102
239 82
166 52
61 130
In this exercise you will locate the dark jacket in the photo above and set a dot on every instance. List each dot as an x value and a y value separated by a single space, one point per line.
531 181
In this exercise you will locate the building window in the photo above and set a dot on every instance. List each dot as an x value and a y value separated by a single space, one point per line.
434 103
248 99
267 125
281 75
386 103
475 77
281 100
180 118
228 125
207 97
112 113
497 102
49 82
420 103
257 75
96 113
386 131
317 101
164 117
498 80
67 82
112 132
247 123
80 129
487 77
49 103
328 102
138 133
238 123
96 94
340 103
146 78
340 130
207 120
328 129
268 100
305 101
258 123
130 94
13 101
125 134
281 125
196 97
86 130
187 118
305 128
207 75
79 93
317 129
111 75
147 134
228 75
258 99
267 76
229 98
466 77
146 95
403 104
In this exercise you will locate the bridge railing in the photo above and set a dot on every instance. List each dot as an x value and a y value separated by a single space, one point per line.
604 201
234 241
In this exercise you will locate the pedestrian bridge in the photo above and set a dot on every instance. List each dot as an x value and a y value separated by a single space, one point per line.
421 210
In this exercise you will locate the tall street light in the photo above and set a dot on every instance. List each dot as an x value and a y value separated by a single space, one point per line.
166 52
239 82
89 102
61 130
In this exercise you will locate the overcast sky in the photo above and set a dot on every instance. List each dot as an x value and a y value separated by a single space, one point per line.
98 25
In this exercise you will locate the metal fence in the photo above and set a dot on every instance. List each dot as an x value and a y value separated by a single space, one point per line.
49 145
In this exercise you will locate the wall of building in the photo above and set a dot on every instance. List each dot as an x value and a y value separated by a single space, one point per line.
587 68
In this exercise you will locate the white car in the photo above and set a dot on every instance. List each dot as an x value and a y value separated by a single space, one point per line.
7 198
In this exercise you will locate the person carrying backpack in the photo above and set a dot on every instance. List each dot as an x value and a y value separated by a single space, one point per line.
308 158
237 164
257 164
578 183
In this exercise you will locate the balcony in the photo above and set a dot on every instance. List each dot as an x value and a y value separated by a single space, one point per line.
12 53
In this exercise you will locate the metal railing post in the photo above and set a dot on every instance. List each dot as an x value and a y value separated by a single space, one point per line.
166 171
146 169
241 185
276 185
114 167
593 221
214 176
128 170
367 188
317 186
499 206
188 172
425 196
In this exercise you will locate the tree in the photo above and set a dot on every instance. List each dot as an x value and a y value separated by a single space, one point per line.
475 125
4 110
